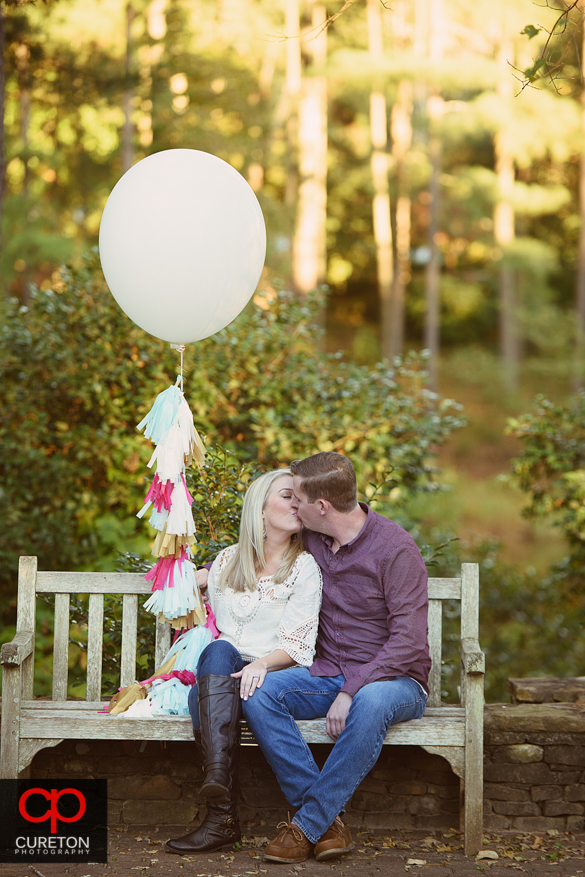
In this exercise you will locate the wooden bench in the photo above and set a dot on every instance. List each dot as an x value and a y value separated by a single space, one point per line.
29 725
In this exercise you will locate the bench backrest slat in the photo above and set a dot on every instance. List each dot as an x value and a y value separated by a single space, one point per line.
129 636
61 647
95 639
162 642
435 646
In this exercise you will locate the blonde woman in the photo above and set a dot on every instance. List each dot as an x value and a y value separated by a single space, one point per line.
266 594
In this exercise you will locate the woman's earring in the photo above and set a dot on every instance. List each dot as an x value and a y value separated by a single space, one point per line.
265 533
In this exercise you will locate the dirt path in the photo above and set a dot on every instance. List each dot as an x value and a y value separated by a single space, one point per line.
438 854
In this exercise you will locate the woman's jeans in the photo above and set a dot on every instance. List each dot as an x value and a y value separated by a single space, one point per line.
292 694
219 658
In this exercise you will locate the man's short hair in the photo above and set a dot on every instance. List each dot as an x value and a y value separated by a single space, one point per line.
328 476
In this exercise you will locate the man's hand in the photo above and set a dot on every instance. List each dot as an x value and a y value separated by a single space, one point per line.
338 714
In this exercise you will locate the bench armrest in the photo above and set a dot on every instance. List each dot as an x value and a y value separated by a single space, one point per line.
472 658
21 647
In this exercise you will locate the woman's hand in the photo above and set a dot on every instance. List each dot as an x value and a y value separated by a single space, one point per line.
251 677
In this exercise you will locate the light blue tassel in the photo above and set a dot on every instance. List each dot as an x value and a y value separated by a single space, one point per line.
161 416
169 697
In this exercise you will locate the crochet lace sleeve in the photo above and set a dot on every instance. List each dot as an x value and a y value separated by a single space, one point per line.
214 573
297 631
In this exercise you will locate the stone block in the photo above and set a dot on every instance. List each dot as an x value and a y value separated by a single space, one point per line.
268 795
570 755
114 812
378 787
561 718
143 788
518 773
576 792
495 822
368 801
576 824
516 808
425 805
439 779
546 793
519 753
502 738
538 823
82 748
122 766
563 808
188 770
400 775
443 791
557 739
503 792
412 788
440 820
158 812
76 767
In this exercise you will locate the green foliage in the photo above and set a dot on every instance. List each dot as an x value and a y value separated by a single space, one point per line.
551 467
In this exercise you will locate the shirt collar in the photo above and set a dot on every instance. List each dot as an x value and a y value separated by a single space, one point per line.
369 523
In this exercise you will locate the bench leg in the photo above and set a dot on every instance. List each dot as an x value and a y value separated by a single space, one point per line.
11 700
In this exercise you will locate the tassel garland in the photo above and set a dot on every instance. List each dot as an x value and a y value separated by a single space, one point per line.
169 424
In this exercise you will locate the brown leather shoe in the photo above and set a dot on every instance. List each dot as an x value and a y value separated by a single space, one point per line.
335 842
289 847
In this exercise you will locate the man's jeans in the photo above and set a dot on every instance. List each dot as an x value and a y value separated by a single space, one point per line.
292 694
219 658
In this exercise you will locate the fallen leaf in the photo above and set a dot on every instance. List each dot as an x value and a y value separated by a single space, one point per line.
443 848
487 854
416 861
260 841
253 855
402 845
552 832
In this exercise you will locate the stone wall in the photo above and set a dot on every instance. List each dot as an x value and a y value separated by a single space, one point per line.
534 778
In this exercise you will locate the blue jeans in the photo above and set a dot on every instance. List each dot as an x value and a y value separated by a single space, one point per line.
292 694
219 658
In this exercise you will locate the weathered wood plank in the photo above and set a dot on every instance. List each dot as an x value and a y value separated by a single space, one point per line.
435 640
29 748
72 725
129 623
473 792
469 601
162 642
11 710
26 615
61 648
133 583
445 589
21 646
95 638
92 583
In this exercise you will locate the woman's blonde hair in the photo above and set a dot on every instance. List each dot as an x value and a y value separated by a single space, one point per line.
248 560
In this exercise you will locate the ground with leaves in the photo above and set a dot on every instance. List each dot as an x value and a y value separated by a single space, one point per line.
438 854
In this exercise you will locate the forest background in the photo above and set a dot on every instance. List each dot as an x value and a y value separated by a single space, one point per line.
411 172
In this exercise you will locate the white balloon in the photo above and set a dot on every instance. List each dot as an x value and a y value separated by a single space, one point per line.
182 244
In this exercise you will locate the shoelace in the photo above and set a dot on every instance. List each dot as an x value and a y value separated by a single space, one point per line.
294 829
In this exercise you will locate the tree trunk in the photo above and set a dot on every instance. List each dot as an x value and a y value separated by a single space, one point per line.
128 129
2 92
579 368
401 143
292 28
381 203
309 245
433 269
436 42
504 233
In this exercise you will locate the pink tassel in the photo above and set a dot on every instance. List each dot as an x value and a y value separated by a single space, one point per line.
160 494
210 624
162 573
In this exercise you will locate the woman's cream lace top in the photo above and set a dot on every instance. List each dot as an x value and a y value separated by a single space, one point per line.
284 616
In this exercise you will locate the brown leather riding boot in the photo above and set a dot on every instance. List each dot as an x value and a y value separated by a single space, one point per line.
220 709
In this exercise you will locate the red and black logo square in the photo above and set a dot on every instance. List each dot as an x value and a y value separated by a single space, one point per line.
53 821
